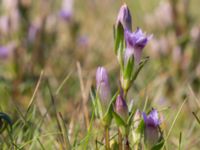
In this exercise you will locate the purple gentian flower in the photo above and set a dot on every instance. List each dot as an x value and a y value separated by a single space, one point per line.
103 87
67 16
4 24
151 131
124 17
121 107
66 12
4 52
32 32
152 119
83 41
136 41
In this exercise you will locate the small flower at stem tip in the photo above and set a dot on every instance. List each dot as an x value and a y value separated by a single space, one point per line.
103 86
124 17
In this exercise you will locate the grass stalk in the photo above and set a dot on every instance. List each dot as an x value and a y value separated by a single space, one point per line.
107 146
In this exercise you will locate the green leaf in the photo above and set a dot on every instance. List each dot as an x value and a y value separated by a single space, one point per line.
158 146
133 110
99 107
141 65
119 37
84 142
138 132
119 121
112 101
129 68
93 99
108 115
140 128
107 118
119 44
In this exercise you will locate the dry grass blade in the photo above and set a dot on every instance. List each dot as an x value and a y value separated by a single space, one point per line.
196 117
84 96
195 97
56 116
64 131
35 91
63 82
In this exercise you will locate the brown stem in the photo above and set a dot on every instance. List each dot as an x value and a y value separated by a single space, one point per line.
96 142
120 139
126 145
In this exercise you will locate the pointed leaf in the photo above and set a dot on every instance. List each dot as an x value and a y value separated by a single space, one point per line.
141 65
140 128
119 121
158 146
133 110
129 68
108 115
93 99
119 37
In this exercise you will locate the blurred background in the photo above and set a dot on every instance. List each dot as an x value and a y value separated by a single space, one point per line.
57 45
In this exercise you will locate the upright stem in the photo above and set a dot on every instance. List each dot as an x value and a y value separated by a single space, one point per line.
125 93
96 144
107 138
120 139
126 145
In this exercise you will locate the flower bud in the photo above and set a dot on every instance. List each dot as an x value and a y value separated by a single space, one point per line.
151 131
102 85
121 108
124 17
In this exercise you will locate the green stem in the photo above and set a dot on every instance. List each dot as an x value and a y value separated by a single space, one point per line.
125 93
120 139
107 146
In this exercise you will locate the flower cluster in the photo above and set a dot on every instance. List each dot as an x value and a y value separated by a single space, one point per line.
128 48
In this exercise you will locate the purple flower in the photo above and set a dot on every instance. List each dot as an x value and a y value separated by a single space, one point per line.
66 11
65 15
124 17
32 32
4 52
152 119
136 41
151 131
102 85
121 107
129 53
83 41
4 24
